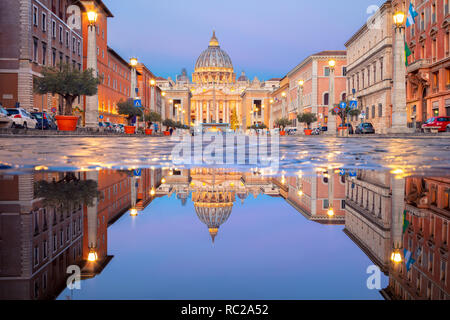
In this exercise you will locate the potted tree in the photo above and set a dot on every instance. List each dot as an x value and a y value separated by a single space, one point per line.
307 118
151 117
128 109
343 114
69 83
282 123
169 123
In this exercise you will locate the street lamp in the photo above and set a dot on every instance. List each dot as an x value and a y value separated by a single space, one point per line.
133 65
133 212
399 18
92 17
283 111
399 116
330 211
300 96
331 119
133 62
90 118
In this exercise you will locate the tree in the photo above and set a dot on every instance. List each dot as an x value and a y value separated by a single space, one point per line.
282 123
128 109
307 118
257 126
169 123
344 113
68 82
67 193
152 116
234 120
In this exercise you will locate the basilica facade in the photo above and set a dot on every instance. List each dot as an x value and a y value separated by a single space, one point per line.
214 94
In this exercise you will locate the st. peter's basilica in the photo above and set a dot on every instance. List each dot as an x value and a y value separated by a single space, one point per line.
214 92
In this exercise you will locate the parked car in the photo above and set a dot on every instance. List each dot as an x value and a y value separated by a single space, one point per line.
108 126
442 124
122 128
21 118
349 126
365 127
5 120
291 131
44 120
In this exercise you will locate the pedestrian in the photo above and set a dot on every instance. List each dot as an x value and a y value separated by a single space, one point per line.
171 130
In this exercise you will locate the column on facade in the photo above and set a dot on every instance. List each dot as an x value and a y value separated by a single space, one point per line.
217 111
208 120
201 111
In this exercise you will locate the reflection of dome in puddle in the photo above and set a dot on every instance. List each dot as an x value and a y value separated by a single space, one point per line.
213 208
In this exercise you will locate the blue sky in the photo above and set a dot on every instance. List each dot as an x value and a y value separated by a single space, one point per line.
265 250
264 38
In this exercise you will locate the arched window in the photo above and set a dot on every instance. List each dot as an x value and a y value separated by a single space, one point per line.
344 97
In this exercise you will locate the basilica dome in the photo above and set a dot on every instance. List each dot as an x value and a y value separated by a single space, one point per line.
213 208
213 65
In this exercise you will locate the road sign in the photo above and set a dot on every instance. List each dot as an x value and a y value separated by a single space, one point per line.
137 102
336 109
343 105
342 172
352 173
100 116
137 172
353 104
53 109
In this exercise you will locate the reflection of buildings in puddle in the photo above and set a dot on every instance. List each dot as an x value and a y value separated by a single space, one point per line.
375 207
39 242
313 195
426 237
214 191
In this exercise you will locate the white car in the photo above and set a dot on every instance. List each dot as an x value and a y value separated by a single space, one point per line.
21 118
5 120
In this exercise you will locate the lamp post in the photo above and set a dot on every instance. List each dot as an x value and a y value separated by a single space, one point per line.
163 105
152 94
271 114
300 96
283 111
399 117
91 108
331 125
133 65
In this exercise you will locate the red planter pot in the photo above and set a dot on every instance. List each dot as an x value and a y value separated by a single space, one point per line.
308 132
282 133
67 123
167 133
130 129
148 132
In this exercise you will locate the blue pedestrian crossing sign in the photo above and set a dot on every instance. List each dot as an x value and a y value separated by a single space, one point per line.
137 172
342 172
100 116
353 104
137 102
352 173
343 105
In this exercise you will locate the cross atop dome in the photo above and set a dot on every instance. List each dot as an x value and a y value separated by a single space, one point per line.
214 42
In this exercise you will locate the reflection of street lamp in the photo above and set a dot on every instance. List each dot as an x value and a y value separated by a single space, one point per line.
133 212
396 256
92 255
90 118
399 116
331 125
330 211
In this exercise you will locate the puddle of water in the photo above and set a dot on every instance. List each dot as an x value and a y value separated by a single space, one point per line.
210 233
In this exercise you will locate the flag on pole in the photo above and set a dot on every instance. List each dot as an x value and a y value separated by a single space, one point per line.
405 222
412 14
407 53
408 259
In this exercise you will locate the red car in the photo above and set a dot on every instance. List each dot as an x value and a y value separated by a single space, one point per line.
442 124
